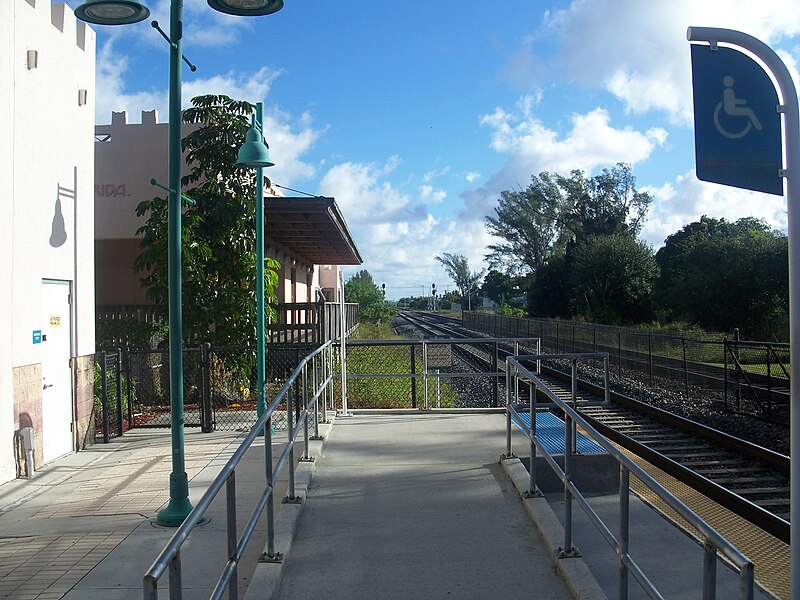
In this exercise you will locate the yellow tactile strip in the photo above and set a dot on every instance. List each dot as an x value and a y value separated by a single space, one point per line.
61 562
770 556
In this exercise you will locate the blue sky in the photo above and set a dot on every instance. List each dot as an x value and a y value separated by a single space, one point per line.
416 115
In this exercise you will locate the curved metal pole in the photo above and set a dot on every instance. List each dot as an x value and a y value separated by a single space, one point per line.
792 173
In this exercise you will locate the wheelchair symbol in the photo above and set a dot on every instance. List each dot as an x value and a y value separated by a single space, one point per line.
734 107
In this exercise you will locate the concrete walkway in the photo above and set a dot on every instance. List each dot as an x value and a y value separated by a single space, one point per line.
407 505
413 506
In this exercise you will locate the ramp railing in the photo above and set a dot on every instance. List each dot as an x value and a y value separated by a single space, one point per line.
713 541
310 382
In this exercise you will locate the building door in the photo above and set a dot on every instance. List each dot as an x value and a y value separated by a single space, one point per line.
56 370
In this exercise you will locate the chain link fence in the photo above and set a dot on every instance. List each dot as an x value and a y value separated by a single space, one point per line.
424 374
757 379
755 383
109 402
219 384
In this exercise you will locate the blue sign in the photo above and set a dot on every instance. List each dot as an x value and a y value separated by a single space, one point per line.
37 336
737 127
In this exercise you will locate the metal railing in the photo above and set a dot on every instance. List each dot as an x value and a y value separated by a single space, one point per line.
425 373
713 541
313 377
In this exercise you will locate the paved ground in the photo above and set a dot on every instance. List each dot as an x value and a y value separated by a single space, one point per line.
416 506
57 528
396 506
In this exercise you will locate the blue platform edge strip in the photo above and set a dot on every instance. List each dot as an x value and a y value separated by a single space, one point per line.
550 431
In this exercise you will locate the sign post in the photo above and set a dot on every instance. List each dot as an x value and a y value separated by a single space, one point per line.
732 130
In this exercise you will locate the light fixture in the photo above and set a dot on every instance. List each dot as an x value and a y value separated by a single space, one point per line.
123 12
112 12
254 152
247 8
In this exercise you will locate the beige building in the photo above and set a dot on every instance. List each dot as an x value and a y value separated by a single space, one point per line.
307 236
47 344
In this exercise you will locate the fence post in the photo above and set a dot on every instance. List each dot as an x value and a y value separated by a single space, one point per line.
769 382
619 354
737 369
624 522
413 377
685 369
131 393
118 372
650 357
725 369
533 492
104 394
495 382
206 420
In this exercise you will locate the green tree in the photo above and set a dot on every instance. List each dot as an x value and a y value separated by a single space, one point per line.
613 278
554 213
541 227
528 225
361 289
721 274
457 268
218 230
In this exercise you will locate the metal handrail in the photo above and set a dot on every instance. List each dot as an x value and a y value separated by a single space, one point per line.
713 540
170 557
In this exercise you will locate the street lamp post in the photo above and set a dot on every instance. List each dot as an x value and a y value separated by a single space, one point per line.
255 153
124 12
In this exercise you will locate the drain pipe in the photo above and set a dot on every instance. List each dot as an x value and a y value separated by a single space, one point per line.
27 444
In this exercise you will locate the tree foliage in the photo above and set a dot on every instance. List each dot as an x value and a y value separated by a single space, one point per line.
721 274
457 268
556 232
555 213
612 279
362 290
217 230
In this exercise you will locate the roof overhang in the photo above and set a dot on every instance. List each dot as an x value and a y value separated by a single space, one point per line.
312 228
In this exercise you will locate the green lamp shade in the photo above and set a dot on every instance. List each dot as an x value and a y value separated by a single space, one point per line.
112 12
254 152
247 8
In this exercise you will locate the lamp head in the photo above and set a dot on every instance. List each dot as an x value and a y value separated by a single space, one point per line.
112 12
247 8
254 152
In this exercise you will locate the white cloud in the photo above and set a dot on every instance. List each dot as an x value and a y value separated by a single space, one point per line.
688 199
428 192
532 148
638 50
395 232
472 176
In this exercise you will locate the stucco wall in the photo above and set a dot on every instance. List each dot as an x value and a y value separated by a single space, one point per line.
47 76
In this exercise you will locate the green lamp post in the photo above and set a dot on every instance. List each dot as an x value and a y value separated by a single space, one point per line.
255 154
123 12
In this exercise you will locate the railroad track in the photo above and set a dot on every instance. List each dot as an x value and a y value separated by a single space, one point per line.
747 479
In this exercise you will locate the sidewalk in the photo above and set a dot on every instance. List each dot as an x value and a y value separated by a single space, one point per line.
58 530
413 506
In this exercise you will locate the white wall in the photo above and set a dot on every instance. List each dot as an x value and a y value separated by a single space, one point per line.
46 141
7 43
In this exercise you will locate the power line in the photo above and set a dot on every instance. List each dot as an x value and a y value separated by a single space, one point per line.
283 187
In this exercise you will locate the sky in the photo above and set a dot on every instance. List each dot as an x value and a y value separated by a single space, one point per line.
415 115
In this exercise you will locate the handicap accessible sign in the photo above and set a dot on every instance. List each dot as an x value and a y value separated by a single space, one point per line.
737 127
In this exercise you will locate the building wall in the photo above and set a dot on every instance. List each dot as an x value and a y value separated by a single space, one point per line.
127 156
47 74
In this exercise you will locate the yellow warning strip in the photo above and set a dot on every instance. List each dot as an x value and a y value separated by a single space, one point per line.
770 556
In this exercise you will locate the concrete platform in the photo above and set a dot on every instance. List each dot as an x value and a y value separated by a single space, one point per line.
413 506
396 506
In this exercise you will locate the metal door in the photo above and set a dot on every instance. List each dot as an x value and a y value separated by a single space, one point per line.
56 370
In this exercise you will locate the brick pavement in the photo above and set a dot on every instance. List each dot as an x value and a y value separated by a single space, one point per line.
57 527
